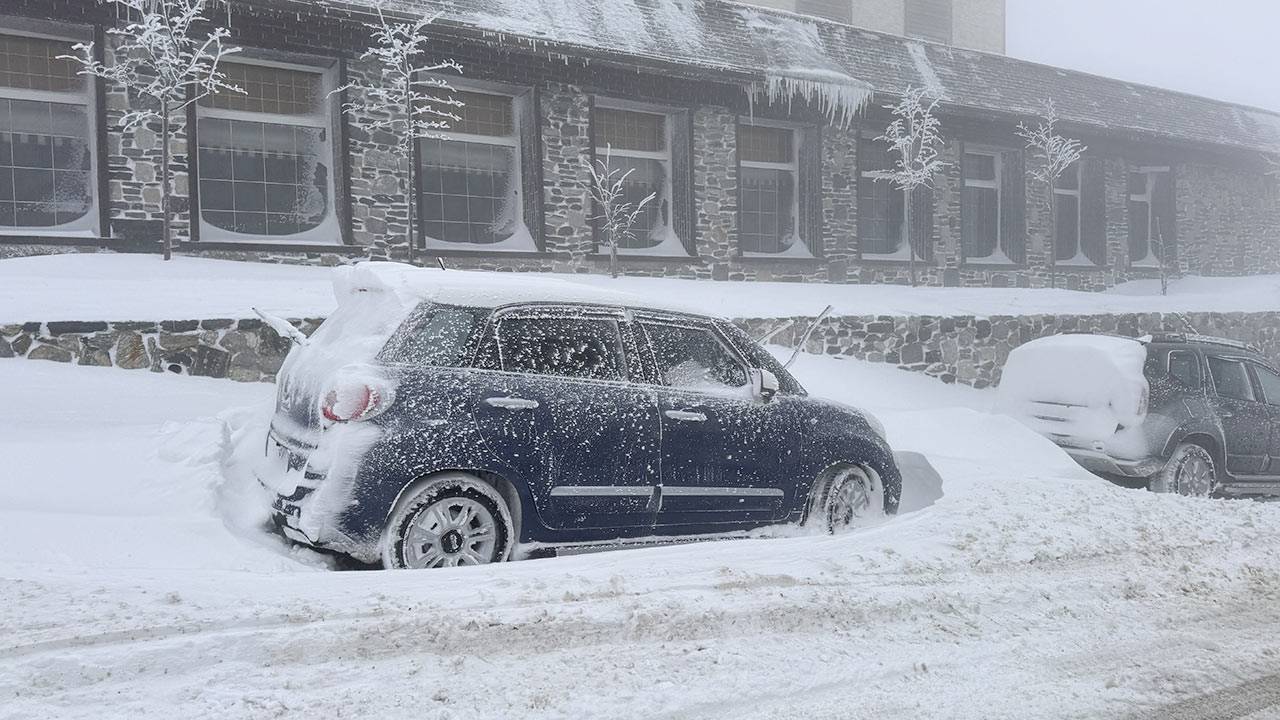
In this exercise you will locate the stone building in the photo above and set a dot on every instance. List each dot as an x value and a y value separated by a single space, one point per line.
754 129
972 24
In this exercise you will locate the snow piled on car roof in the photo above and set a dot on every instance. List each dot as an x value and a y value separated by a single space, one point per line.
482 289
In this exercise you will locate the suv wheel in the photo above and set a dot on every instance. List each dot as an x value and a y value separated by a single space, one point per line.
1191 472
448 521
848 499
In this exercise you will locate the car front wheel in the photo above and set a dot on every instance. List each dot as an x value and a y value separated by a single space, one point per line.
846 498
448 521
1190 472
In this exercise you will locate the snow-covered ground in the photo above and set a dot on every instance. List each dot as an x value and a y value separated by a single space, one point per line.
130 588
139 287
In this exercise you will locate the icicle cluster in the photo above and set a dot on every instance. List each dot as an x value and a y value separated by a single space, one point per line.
839 100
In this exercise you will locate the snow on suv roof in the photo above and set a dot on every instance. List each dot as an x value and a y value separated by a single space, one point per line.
483 289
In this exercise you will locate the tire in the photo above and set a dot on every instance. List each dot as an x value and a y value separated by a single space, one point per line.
1190 472
448 521
845 498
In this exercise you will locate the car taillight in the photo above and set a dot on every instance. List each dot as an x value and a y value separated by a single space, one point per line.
354 401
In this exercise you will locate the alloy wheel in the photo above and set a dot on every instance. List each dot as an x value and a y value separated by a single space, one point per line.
451 532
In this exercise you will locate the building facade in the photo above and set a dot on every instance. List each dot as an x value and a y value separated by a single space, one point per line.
756 173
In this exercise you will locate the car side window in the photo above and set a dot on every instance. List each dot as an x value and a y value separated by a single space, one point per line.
693 358
1185 366
1270 383
432 336
1231 378
585 348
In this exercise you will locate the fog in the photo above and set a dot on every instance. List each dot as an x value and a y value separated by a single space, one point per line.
1225 49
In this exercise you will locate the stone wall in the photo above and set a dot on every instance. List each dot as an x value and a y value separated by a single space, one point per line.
966 349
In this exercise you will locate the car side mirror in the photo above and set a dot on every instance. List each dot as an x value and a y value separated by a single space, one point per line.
764 384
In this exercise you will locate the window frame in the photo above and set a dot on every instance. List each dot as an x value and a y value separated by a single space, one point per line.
795 167
332 230
1149 173
671 115
90 97
999 257
1080 258
905 247
1244 364
522 114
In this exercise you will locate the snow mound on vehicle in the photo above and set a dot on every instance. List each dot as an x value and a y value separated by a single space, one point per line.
1081 387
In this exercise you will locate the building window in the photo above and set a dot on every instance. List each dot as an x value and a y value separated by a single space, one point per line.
981 207
882 211
266 156
639 143
470 194
838 10
46 140
928 20
1069 250
1150 216
768 178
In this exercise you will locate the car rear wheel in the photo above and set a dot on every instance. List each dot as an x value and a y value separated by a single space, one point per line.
846 498
448 521
1191 472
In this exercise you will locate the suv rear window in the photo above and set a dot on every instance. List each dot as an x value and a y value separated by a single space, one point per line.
586 348
433 336
1185 366
1231 378
1270 382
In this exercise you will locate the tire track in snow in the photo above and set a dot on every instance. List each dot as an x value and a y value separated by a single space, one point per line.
1258 698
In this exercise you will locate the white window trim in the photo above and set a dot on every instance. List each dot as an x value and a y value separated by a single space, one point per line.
1149 174
671 246
522 240
998 256
329 231
90 225
800 248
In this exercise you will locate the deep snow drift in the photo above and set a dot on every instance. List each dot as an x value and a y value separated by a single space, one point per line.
134 287
1030 590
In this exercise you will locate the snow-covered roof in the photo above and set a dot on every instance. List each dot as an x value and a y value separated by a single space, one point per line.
776 53
483 289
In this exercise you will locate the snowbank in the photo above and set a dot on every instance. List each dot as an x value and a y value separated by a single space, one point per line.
142 287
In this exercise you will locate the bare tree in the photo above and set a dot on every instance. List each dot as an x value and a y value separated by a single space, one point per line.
915 138
162 56
1161 251
409 100
616 215
1054 155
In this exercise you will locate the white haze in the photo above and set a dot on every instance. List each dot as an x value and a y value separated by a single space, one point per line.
1225 49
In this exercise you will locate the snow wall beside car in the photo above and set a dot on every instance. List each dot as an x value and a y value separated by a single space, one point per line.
964 349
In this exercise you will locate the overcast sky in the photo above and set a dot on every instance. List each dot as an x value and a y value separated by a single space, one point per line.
1226 49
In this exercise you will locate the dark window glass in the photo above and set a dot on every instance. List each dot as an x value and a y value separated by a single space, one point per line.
433 336
45 162
279 91
1139 229
881 214
1186 368
1231 379
34 64
483 114
838 10
1067 240
469 191
629 130
587 348
646 177
693 358
262 178
767 212
765 144
1270 383
980 167
981 226
929 19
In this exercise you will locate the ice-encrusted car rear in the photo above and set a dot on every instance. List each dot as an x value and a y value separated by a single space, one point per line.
1173 412
443 418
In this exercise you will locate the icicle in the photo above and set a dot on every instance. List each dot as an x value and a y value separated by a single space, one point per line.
839 100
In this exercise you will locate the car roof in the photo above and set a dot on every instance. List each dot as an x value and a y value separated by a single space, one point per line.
413 285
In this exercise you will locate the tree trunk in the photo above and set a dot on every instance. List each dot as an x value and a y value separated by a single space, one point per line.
906 230
613 258
1053 236
411 201
166 222
410 194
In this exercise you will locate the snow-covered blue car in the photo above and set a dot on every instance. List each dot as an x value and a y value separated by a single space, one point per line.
449 418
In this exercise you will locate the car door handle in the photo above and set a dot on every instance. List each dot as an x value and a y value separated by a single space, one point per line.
512 403
686 416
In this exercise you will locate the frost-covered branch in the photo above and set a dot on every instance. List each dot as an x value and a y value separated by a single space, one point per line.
915 144
1054 153
616 216
161 55
409 99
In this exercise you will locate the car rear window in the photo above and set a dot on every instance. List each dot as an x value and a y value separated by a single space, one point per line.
1185 366
1231 378
1270 382
433 336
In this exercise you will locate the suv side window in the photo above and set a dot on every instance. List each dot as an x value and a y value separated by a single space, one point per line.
432 336
693 358
1185 366
1231 378
1270 383
579 347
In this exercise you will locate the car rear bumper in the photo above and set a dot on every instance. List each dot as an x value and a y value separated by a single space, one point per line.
1103 464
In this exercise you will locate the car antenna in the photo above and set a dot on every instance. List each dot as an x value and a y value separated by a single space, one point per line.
1191 329
440 262
804 339
775 332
